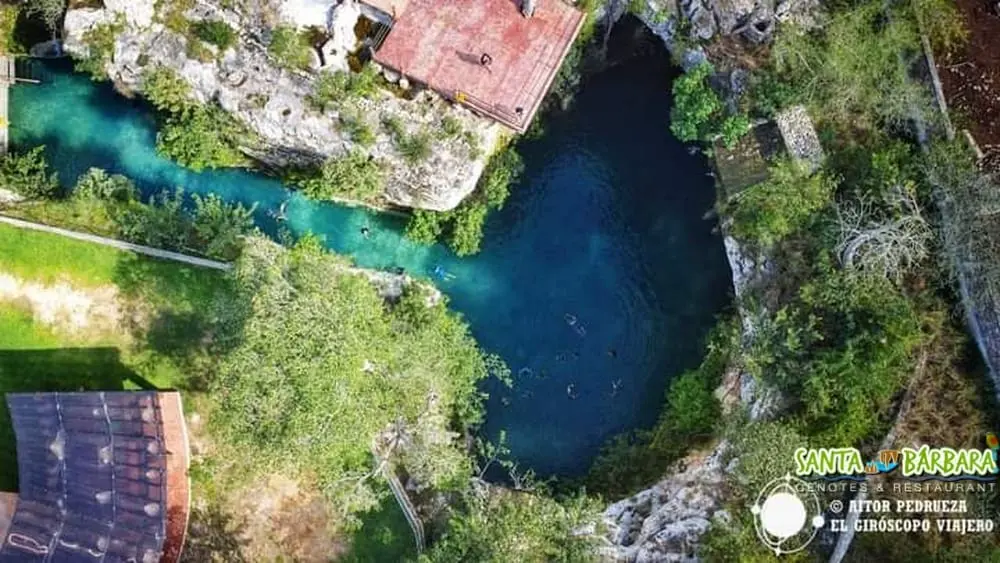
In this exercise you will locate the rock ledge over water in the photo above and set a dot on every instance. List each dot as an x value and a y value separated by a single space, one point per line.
274 102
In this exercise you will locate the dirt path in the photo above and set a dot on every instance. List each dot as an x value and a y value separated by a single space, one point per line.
65 308
971 77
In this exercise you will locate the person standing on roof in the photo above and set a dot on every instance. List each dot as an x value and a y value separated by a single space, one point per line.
528 7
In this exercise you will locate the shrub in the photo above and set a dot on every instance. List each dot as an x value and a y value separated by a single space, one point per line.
770 211
8 21
215 32
695 104
27 174
358 129
48 11
415 148
290 48
495 525
842 348
355 176
97 184
450 127
166 90
334 88
698 113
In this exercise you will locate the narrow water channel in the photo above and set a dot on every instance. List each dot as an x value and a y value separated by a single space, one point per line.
596 283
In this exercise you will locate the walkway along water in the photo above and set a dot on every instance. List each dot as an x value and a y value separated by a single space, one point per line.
121 245
607 226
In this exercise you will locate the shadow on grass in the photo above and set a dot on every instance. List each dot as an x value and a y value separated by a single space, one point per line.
63 369
214 535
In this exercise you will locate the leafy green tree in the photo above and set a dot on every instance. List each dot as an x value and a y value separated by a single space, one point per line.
698 113
96 184
167 91
215 32
354 176
219 227
319 371
425 226
503 171
27 174
498 526
842 349
768 212
467 228
162 223
696 105
290 48
205 137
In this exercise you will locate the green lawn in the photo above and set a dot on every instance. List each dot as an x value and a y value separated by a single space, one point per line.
164 351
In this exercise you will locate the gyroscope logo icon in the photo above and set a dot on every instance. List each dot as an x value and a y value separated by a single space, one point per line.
787 515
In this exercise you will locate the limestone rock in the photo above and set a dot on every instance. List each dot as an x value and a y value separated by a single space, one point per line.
666 521
274 102
138 13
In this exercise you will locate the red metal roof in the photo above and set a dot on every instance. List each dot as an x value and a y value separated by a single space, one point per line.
441 44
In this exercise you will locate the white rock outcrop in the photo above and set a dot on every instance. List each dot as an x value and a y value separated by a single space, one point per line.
274 102
665 522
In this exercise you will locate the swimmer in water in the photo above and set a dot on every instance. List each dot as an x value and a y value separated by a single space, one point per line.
570 319
505 401
366 232
571 391
616 386
612 352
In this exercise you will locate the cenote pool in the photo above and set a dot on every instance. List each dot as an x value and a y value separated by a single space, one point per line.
605 229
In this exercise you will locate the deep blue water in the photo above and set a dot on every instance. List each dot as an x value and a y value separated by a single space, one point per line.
606 229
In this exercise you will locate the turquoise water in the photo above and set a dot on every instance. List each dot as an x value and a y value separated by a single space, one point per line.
597 280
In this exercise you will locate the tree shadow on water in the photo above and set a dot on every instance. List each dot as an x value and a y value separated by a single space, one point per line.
62 369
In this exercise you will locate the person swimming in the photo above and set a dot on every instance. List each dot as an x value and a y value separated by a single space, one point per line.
616 386
366 232
612 353
441 274
281 214
570 319
571 391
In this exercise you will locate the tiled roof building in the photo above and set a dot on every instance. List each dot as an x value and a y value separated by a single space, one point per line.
103 477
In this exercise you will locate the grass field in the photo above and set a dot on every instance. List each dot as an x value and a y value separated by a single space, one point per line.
161 353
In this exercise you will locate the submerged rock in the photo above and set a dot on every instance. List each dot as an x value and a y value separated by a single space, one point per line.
275 102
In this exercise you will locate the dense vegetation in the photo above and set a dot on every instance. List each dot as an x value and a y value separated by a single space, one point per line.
393 380
110 205
354 176
196 136
462 228
698 113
